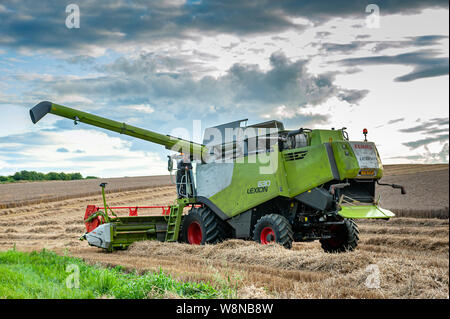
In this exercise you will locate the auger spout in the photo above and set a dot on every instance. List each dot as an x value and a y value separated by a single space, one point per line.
176 144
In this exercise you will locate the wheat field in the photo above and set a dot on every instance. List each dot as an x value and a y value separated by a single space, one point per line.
405 257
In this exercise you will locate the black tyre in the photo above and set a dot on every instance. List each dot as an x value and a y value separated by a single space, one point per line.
201 226
273 228
344 237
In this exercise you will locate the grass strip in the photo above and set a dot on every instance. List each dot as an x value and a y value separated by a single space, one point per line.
47 275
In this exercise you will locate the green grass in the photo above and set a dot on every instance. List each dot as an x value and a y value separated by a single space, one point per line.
45 275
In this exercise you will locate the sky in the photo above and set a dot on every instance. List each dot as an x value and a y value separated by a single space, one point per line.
170 66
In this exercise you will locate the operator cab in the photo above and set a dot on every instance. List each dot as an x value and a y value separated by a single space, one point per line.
237 139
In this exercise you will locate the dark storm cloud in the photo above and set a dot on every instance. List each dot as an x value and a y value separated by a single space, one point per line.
419 41
135 81
425 40
343 48
149 63
431 130
428 126
33 24
426 141
38 24
410 157
437 130
325 10
353 96
378 46
425 64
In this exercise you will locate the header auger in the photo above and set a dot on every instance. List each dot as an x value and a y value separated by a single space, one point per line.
259 182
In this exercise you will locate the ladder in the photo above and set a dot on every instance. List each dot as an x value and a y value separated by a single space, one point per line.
174 221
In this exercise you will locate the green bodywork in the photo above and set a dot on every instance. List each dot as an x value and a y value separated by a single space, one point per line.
365 211
293 172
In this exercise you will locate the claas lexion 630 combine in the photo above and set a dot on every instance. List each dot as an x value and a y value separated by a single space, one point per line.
260 182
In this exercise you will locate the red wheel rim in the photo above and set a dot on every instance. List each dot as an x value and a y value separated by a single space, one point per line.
267 236
195 234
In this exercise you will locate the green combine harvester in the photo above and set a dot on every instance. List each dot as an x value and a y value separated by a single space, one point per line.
259 182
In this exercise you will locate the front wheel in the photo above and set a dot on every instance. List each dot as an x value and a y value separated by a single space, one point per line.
343 237
273 228
200 227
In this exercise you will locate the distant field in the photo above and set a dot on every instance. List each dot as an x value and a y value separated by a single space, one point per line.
22 194
426 187
402 169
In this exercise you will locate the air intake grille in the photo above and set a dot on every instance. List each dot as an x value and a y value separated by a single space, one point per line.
295 155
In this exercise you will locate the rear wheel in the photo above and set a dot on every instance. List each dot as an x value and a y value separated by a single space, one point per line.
344 237
273 228
201 226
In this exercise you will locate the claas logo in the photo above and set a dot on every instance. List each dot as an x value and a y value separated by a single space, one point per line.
363 146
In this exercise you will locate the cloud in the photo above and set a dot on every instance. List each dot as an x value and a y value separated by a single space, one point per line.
30 138
343 48
391 122
396 120
31 25
409 157
293 117
352 96
150 62
431 129
85 60
425 64
95 153
378 46
171 86
418 41
426 141
428 157
428 126
323 34
140 85
142 108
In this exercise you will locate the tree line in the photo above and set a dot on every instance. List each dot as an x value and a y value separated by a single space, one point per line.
36 176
